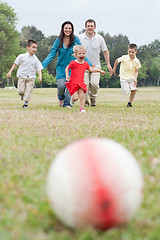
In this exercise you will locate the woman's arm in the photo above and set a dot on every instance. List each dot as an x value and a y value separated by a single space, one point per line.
67 73
52 53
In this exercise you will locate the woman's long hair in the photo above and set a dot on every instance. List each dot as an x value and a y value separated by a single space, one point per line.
61 35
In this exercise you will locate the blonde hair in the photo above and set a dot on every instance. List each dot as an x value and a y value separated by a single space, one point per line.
76 48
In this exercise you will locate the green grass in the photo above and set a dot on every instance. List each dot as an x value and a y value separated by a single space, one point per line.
30 139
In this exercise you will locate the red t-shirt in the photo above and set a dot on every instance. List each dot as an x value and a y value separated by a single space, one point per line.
77 71
77 77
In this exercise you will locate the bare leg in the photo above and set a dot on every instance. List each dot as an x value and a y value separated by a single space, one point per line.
81 97
75 96
132 95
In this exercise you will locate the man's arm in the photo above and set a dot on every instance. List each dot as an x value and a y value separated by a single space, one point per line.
107 58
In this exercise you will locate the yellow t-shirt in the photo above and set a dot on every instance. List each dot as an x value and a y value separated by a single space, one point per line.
128 66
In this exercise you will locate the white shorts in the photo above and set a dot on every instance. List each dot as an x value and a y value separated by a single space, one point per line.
127 85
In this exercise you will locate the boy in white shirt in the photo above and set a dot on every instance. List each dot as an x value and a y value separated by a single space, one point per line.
26 73
128 72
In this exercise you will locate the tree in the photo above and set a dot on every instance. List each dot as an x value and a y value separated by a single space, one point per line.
155 69
142 75
148 55
9 38
30 32
117 46
44 47
106 81
47 80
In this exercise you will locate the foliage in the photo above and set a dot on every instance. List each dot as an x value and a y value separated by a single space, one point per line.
142 75
155 69
28 32
117 46
47 80
9 37
107 81
44 47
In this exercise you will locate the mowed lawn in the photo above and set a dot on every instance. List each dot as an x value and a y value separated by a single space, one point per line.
31 138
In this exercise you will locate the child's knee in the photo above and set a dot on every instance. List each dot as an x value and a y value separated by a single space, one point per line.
74 98
21 92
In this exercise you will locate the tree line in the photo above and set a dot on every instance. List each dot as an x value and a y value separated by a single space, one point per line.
13 43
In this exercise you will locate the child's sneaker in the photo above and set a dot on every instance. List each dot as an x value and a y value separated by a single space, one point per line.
93 102
60 103
82 111
87 103
25 106
129 104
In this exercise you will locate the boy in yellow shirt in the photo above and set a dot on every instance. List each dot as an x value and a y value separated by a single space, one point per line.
128 72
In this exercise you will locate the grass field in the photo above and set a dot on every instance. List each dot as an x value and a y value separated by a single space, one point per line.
30 139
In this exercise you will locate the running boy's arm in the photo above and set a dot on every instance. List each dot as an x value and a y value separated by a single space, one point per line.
91 69
115 66
11 70
40 75
67 73
135 77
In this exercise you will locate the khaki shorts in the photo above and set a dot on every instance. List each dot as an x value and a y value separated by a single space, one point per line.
127 85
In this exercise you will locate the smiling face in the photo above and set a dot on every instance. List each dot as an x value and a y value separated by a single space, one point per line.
80 55
90 27
32 49
132 52
67 29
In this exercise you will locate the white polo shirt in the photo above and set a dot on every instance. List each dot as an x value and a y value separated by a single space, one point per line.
29 64
93 47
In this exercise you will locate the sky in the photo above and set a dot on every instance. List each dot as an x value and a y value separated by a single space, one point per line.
139 20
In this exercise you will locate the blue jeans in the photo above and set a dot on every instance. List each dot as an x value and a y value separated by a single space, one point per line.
63 93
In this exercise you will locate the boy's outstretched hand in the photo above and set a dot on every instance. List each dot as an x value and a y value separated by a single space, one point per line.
8 75
40 79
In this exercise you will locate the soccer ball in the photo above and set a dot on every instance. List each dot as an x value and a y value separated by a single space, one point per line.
95 182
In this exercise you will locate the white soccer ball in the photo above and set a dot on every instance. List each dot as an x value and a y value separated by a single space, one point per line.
95 182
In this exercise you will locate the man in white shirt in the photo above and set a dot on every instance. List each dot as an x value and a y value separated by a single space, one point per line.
94 43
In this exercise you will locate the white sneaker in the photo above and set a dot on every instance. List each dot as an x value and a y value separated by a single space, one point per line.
83 111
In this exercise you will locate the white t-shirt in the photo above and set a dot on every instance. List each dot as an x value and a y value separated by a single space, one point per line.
93 47
29 64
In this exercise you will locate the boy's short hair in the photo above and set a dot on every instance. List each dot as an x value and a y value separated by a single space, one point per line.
78 47
30 42
90 20
132 46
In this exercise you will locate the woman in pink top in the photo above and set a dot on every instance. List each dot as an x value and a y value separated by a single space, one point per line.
75 83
